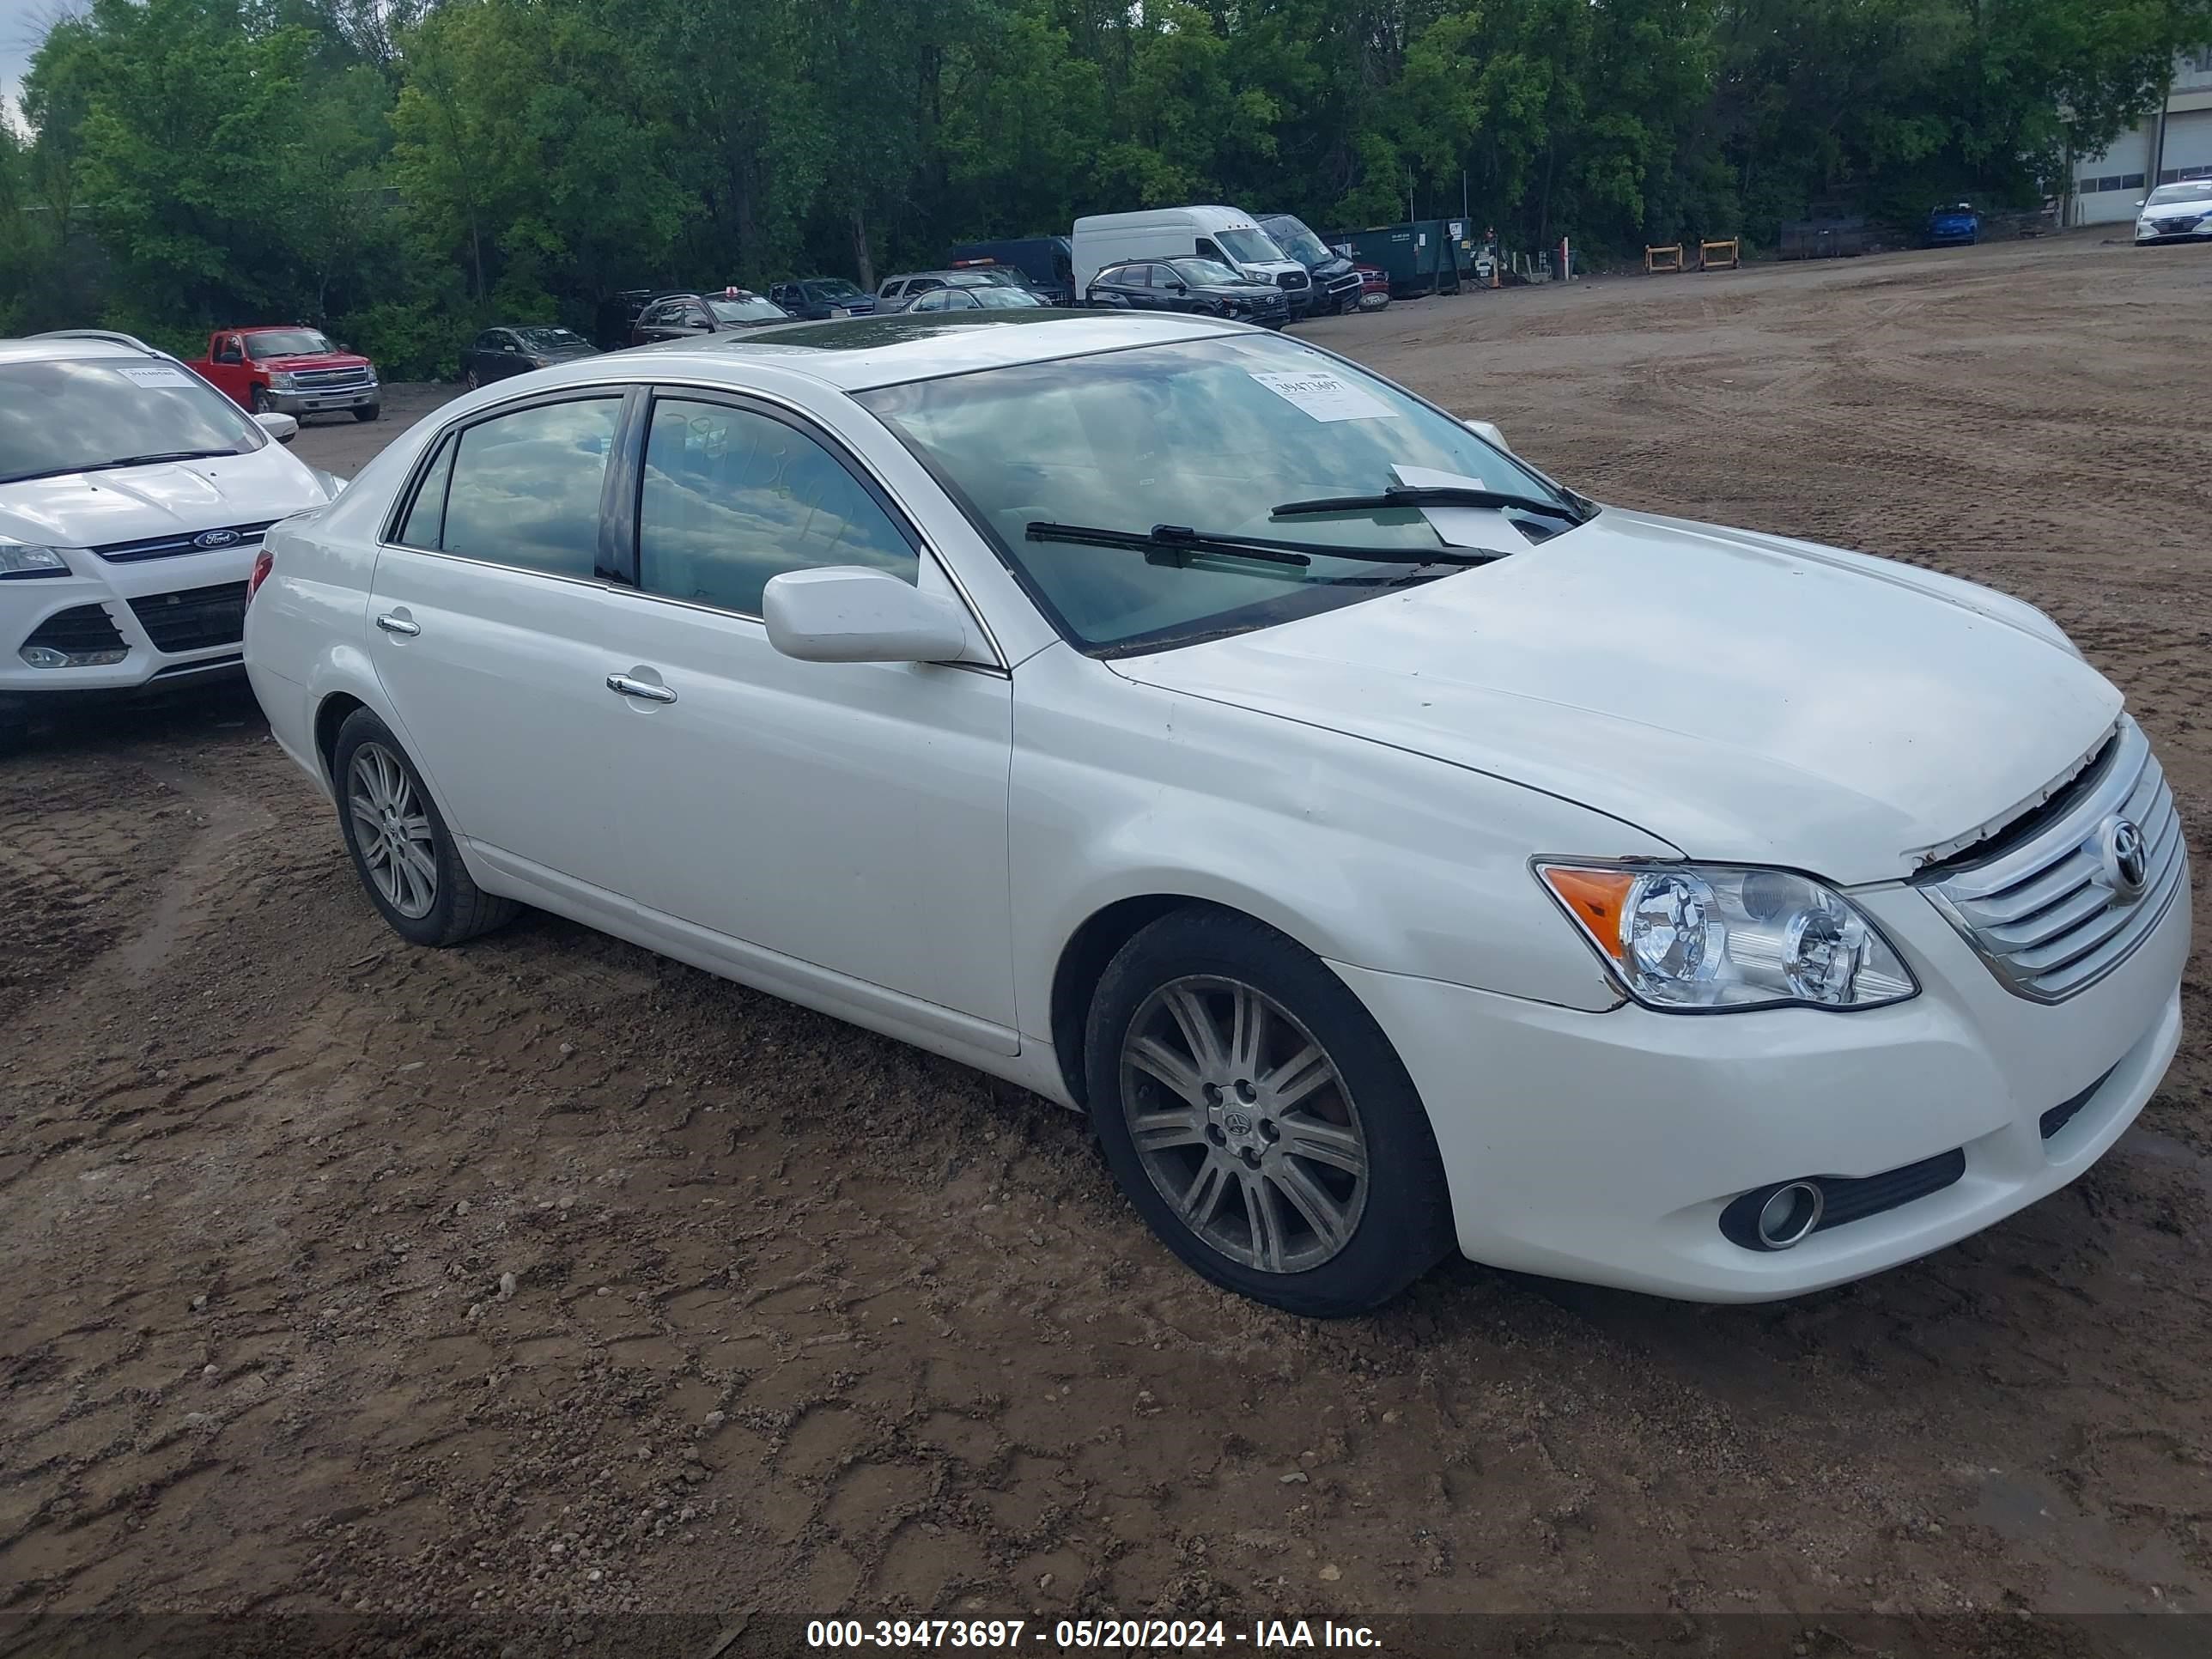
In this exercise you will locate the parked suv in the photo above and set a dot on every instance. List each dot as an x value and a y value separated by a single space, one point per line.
897 293
133 499
1228 236
684 316
1335 278
817 298
1194 285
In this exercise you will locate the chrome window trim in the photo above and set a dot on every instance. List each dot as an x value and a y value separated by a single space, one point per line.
396 516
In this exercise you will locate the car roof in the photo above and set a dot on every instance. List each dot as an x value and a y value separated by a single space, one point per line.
860 353
64 349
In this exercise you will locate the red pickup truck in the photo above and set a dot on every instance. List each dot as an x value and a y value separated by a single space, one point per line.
290 368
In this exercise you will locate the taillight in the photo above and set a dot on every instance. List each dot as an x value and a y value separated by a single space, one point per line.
264 562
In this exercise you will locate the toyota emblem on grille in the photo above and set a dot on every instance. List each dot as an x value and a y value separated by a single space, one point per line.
215 538
2124 857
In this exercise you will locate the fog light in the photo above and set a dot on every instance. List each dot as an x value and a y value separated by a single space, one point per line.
44 656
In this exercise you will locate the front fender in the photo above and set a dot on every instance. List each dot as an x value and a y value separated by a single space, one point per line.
1363 853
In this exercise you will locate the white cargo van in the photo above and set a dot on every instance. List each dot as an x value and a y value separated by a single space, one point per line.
1229 234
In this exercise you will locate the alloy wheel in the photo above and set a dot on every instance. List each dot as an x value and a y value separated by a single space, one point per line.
393 830
1244 1124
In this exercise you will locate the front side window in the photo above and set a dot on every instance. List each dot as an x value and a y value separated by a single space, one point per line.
733 497
92 415
488 340
286 343
526 487
228 350
1209 434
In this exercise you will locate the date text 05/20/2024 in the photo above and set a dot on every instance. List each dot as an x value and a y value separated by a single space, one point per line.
1138 1635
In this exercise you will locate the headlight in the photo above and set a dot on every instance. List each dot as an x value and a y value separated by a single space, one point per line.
279 380
20 561
1706 938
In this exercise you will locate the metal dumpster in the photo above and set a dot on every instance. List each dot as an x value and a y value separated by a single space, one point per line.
1422 256
1823 238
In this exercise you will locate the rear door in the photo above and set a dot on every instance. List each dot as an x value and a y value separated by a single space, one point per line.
487 606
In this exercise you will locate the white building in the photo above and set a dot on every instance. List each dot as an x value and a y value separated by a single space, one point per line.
2172 143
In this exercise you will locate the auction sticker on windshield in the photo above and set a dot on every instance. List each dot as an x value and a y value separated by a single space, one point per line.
1326 397
155 375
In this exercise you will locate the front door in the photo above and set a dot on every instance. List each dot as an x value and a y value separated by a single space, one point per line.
484 626
848 816
226 369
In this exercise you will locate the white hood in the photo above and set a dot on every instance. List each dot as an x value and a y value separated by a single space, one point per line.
1747 698
129 504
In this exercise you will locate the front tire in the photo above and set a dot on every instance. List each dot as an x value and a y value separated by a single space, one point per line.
401 848
368 412
261 402
1258 1119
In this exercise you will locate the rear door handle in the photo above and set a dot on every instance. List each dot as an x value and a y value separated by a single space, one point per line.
639 689
399 625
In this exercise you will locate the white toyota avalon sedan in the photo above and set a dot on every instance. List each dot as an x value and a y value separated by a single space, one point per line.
133 497
1390 849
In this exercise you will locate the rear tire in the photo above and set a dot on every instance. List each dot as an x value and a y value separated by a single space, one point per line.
1305 1174
400 847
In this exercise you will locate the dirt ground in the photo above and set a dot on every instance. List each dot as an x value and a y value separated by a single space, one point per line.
544 1275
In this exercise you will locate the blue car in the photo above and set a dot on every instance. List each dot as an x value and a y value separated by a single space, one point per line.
1956 226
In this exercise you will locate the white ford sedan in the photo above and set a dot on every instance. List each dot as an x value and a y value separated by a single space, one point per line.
1390 849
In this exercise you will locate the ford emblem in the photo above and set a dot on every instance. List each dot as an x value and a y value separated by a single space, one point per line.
214 538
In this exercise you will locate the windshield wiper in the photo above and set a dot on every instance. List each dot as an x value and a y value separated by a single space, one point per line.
1173 539
1401 495
162 455
107 467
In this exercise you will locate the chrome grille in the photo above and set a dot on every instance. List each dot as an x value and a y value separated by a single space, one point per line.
2046 914
329 380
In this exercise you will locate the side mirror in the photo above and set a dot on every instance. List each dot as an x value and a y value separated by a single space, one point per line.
850 613
1488 432
283 428
704 324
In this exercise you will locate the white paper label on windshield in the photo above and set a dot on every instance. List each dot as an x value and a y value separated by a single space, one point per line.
1456 527
155 375
1326 397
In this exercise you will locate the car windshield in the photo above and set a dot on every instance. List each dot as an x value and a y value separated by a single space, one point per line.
1208 434
755 310
79 416
1204 273
550 339
286 343
832 288
1248 246
2196 190
996 298
1301 244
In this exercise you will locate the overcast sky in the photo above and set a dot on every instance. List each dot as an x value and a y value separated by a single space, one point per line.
22 22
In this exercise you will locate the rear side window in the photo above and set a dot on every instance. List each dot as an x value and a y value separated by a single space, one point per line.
524 489
426 519
731 498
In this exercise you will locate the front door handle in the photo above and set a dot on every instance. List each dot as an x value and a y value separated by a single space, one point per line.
639 689
400 626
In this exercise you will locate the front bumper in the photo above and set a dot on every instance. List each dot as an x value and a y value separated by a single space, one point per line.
2201 231
335 401
26 605
1604 1148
